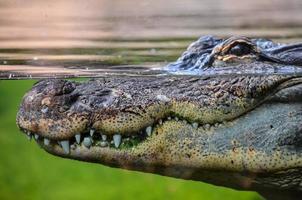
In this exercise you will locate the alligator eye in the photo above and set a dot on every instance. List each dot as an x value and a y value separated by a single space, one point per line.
240 50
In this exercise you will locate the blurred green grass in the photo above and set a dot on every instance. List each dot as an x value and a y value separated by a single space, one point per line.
27 172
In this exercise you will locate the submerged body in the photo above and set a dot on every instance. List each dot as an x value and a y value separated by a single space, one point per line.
242 132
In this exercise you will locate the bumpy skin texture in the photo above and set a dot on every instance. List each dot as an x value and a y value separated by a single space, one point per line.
242 132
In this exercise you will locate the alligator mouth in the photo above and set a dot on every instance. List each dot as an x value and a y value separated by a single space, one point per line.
93 138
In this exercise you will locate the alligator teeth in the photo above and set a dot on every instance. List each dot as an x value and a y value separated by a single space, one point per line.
104 137
46 141
149 130
117 138
195 125
176 119
65 145
92 132
36 136
169 118
160 121
87 142
78 138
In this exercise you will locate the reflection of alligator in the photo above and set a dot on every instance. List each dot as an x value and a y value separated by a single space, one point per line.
242 132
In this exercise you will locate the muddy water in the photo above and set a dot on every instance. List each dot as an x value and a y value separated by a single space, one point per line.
97 38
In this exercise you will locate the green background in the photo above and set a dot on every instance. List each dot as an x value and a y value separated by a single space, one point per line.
28 172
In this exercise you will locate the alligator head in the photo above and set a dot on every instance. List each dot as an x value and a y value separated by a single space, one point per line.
238 131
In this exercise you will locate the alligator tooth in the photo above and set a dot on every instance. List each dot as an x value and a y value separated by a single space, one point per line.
73 146
46 141
87 142
176 119
36 136
92 132
44 110
78 138
160 121
163 98
117 138
104 144
169 118
104 137
195 125
149 130
65 145
29 136
207 126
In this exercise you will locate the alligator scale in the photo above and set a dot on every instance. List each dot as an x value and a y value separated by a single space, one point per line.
243 132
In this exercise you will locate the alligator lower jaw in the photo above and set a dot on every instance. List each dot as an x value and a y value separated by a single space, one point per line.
93 140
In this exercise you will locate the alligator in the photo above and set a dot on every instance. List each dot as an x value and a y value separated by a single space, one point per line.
243 132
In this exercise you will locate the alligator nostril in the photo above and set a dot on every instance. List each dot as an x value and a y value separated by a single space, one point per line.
84 100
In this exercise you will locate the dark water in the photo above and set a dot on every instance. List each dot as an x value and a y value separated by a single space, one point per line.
127 37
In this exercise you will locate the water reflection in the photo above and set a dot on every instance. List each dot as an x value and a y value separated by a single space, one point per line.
90 38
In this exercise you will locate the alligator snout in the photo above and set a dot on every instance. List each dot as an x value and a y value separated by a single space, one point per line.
61 109
50 110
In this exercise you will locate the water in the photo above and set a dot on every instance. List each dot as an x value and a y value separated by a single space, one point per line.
41 39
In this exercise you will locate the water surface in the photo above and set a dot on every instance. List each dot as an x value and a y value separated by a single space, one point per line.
104 37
